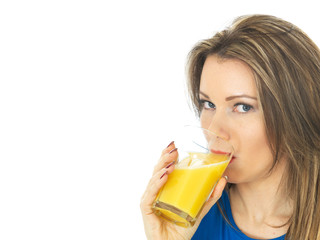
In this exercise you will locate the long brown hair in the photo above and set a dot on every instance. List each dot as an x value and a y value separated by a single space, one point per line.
286 66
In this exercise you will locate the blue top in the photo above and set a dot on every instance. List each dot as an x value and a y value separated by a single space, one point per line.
214 227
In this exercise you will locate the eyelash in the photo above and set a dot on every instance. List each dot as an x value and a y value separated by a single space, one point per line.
244 105
203 102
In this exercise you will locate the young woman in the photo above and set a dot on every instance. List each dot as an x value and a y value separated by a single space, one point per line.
256 84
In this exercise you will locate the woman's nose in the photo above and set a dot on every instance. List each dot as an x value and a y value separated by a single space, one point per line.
219 125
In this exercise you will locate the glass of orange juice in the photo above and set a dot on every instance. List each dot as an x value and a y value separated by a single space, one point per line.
203 157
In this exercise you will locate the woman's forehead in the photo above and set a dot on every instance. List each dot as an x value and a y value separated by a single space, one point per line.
229 76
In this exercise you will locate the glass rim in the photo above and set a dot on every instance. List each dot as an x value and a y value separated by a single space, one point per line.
211 132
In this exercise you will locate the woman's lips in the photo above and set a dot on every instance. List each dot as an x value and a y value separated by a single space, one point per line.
219 152
223 153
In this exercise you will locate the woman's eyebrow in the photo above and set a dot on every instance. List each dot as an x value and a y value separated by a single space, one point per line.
205 95
231 97
239 96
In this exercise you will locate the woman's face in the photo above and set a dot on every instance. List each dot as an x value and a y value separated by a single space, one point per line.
230 108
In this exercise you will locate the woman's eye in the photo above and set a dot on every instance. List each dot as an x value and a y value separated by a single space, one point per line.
242 108
207 105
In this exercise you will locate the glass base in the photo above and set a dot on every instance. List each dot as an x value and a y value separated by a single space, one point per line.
173 214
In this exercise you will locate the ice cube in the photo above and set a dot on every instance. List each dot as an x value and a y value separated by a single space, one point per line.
196 163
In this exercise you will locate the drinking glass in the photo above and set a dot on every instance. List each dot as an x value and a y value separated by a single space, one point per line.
203 157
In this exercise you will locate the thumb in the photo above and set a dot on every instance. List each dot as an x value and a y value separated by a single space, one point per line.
215 195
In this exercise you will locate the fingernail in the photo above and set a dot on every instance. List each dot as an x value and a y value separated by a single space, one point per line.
170 144
173 150
163 174
170 164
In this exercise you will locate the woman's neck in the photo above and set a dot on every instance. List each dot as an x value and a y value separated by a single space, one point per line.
260 207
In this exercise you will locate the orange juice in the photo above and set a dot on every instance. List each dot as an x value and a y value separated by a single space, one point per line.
189 186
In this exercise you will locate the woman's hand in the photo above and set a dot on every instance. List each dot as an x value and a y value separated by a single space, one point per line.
156 227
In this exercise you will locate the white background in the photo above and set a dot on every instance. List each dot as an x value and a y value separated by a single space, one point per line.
90 94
